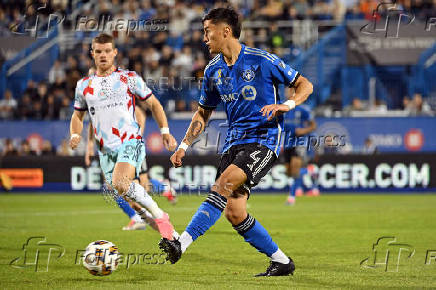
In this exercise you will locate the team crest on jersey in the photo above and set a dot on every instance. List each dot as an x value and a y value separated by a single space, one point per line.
282 64
249 93
248 75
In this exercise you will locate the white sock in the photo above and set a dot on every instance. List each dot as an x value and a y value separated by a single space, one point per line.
137 218
137 193
185 240
280 257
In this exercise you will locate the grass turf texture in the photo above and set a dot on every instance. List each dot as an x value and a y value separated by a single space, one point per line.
327 236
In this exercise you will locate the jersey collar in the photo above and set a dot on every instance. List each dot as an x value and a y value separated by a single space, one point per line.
113 70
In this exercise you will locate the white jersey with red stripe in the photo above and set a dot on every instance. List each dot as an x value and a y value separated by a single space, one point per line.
110 101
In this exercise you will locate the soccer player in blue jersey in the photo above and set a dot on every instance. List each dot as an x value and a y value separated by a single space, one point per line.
245 80
299 123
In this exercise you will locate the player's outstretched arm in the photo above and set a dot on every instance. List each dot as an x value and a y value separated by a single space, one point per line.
89 146
161 119
198 123
76 127
303 88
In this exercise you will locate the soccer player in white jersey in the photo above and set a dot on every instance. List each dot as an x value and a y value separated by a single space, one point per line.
109 97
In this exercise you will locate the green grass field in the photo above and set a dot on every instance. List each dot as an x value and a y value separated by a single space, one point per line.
327 236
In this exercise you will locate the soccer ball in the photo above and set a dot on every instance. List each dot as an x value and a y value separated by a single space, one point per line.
101 258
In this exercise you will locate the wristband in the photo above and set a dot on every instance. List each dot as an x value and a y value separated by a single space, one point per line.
74 135
183 146
290 104
164 130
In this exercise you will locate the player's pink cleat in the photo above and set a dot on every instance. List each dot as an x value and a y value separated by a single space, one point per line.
170 194
299 192
290 200
165 227
313 192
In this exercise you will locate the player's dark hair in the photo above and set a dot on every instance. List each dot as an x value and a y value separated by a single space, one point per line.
225 15
104 38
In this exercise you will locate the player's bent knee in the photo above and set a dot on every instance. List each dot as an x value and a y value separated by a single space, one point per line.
235 217
223 187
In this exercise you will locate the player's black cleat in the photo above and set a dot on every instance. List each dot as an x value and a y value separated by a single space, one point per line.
173 249
279 269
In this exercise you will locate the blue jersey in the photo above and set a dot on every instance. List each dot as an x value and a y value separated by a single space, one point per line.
296 118
244 88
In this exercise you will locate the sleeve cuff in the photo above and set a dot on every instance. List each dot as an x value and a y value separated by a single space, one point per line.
295 79
80 109
207 107
146 97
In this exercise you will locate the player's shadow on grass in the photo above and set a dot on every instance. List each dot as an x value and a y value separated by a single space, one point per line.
210 260
229 232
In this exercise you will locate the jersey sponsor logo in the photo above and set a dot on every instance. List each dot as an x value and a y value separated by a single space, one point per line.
249 93
108 106
229 97
248 75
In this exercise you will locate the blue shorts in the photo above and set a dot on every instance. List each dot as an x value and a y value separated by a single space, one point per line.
131 151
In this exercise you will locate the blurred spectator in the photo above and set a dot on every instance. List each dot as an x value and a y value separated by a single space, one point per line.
180 106
7 106
276 37
405 103
47 148
24 109
32 90
36 112
356 105
41 92
272 10
379 106
179 21
154 71
183 62
56 72
302 8
66 110
369 147
25 149
8 148
64 149
51 108
167 56
418 107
